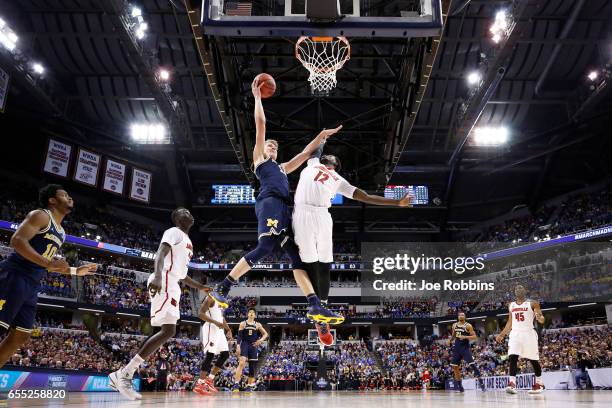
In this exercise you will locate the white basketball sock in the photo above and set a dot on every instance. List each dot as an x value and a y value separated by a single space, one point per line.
132 366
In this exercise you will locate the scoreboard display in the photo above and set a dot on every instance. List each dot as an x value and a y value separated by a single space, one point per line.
233 194
421 193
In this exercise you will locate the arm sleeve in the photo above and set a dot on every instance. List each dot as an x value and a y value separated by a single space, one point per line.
318 152
172 236
346 189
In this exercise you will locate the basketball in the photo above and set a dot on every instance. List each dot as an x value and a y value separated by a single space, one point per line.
269 84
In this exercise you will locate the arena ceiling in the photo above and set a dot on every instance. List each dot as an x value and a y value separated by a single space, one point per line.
98 82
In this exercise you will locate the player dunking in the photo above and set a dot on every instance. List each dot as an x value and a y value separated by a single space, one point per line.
214 332
462 333
312 222
274 219
523 341
36 242
251 335
171 262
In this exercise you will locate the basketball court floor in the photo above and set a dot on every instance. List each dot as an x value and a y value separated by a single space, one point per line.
343 399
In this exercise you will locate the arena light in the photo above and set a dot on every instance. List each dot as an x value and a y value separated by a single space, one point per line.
38 68
593 75
548 309
490 136
50 305
90 310
476 318
164 74
474 77
128 314
583 304
189 321
8 38
502 314
149 133
446 321
499 27
403 322
136 12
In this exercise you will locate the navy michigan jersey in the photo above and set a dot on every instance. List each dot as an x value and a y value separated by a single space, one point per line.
250 334
273 181
46 242
461 330
20 279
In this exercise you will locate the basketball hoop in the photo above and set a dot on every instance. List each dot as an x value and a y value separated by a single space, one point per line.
322 57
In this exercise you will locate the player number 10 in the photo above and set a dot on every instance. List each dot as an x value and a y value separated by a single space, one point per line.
50 251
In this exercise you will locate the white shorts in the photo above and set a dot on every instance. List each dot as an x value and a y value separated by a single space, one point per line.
524 344
213 339
312 231
165 308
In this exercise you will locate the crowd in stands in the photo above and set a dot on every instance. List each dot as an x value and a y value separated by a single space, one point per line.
55 284
398 308
578 212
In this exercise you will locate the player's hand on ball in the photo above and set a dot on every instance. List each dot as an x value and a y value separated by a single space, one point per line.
86 270
58 265
256 88
155 285
406 201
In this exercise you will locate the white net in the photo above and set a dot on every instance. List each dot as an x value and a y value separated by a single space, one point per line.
322 57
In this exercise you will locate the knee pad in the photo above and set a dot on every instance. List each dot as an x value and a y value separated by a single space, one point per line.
252 366
207 362
323 278
223 356
513 360
264 247
537 368
292 250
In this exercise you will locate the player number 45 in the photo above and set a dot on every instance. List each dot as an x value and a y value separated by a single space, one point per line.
520 317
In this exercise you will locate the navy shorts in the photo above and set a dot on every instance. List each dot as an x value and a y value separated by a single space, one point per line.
462 353
249 351
18 298
273 217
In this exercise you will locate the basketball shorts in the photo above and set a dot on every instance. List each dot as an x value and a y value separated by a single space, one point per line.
312 229
18 298
524 344
249 351
165 308
273 216
461 353
213 339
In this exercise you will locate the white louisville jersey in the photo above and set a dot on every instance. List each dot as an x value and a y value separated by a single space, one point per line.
215 312
177 261
522 316
318 185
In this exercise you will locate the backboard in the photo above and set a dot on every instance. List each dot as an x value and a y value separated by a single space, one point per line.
287 18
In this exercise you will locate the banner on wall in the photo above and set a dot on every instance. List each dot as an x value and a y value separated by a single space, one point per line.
57 160
114 177
24 380
4 88
141 185
87 167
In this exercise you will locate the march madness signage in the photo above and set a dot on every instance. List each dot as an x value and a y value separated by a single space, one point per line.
57 159
141 185
114 177
87 167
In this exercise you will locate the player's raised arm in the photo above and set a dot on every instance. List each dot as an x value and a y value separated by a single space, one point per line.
260 124
538 312
310 148
360 195
158 265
